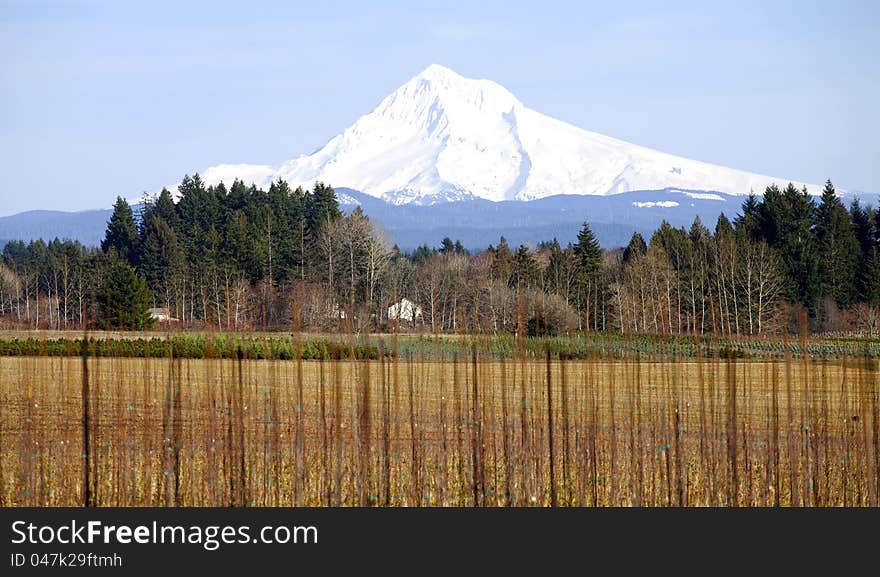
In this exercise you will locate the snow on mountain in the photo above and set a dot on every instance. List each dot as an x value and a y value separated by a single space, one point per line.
443 137
657 203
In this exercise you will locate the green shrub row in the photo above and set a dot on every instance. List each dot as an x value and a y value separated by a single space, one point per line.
423 347
189 347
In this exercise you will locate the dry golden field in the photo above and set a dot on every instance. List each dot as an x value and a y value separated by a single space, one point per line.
476 431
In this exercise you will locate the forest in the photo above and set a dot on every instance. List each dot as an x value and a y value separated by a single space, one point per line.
242 258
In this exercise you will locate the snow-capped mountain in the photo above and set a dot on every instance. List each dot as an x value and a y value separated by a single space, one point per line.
443 137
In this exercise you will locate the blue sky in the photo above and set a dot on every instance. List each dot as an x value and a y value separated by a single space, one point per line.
108 98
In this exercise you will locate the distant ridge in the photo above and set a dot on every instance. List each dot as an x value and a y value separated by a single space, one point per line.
86 226
476 222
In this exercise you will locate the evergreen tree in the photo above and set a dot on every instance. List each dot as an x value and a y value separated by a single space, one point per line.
674 242
749 222
869 279
635 248
321 210
162 259
770 214
189 208
588 256
502 261
122 233
723 278
237 198
786 224
797 247
123 299
262 236
525 269
868 267
422 253
588 253
698 231
193 202
284 207
321 206
839 249
238 246
723 226
447 246
290 206
558 276
699 290
164 208
877 227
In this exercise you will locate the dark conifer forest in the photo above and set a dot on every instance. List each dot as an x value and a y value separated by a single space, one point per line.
243 258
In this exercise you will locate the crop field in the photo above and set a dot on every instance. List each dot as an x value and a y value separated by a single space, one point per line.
473 429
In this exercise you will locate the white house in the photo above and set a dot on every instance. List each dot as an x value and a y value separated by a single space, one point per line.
162 315
405 310
336 312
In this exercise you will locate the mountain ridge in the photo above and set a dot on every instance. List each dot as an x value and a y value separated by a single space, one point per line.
441 137
475 222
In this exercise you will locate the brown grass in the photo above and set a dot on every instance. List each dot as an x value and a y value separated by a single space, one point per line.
473 432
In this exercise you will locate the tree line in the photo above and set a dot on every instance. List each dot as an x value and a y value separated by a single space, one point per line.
245 258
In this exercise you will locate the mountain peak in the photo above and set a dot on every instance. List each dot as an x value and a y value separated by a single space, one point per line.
442 87
444 137
439 72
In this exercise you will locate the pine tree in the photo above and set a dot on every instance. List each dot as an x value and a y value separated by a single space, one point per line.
162 259
699 289
447 246
870 278
723 278
238 246
559 274
321 206
262 235
635 248
698 231
189 208
674 242
749 222
122 233
588 253
193 202
164 208
502 261
589 266
237 198
838 247
770 214
786 225
877 226
289 206
123 298
321 211
422 253
525 269
868 267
